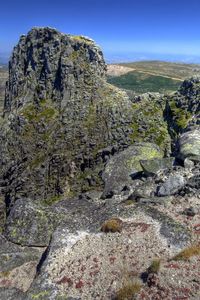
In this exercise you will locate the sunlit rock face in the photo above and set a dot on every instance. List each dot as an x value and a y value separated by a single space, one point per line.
59 116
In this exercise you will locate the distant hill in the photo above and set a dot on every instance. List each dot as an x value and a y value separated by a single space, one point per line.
150 76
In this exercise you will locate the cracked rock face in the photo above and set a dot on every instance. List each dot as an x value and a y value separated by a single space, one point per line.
59 115
49 64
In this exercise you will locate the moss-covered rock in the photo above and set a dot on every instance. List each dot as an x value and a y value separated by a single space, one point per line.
121 168
154 166
32 224
148 123
189 145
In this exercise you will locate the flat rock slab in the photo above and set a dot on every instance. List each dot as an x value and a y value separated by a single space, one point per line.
99 262
17 266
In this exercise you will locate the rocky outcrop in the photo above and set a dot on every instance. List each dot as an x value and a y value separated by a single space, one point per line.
60 115
49 64
90 193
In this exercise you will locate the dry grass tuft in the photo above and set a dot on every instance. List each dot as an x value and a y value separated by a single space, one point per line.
128 291
112 225
155 266
188 253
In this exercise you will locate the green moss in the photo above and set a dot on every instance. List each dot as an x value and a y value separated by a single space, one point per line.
129 202
180 116
4 274
52 200
144 152
45 111
74 55
148 124
37 160
82 39
40 295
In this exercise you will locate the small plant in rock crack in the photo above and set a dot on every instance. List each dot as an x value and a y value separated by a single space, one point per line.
154 267
112 225
152 273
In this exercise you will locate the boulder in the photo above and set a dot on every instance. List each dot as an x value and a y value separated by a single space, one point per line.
189 145
123 167
76 259
172 185
154 166
32 224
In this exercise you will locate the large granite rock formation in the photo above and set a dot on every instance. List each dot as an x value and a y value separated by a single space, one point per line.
59 115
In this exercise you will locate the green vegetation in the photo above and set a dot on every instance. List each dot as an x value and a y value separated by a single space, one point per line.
40 295
163 68
52 200
148 115
82 39
180 116
154 267
45 112
143 83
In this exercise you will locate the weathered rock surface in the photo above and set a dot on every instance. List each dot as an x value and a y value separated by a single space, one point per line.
172 185
3 79
59 116
32 224
189 145
17 268
11 294
121 168
154 166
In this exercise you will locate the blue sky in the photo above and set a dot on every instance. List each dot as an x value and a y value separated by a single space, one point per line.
123 28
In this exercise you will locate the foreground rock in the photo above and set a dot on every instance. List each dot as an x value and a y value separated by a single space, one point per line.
99 262
31 224
17 267
172 185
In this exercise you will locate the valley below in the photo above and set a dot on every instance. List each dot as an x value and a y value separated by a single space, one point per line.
150 76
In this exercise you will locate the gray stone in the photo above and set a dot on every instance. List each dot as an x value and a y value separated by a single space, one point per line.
59 114
172 185
11 294
31 224
191 211
13 256
123 167
189 145
154 166
188 164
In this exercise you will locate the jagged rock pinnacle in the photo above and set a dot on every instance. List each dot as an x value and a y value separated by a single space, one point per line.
47 63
